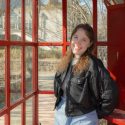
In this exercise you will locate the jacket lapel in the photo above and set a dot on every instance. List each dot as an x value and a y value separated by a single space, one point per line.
63 76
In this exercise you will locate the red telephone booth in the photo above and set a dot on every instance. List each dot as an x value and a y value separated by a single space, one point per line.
34 34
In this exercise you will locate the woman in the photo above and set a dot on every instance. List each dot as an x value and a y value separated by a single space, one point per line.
83 87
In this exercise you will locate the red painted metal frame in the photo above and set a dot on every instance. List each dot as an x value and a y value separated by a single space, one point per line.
119 45
64 17
23 43
23 106
35 61
20 101
7 61
50 44
118 116
95 16
95 20
46 92
16 43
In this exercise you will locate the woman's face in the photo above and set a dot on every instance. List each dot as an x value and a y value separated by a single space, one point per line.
79 42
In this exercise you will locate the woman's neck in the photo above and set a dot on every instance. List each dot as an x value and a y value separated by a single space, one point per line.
75 60
77 56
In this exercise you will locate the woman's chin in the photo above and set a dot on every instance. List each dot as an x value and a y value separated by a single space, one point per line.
77 53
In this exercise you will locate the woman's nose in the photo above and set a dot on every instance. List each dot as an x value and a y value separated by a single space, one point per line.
77 42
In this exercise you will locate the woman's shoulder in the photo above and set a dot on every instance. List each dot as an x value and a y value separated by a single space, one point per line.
98 65
96 61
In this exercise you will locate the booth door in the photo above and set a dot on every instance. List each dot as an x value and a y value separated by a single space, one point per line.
116 48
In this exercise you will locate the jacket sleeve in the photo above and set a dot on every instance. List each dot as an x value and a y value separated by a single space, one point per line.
55 86
108 92
56 83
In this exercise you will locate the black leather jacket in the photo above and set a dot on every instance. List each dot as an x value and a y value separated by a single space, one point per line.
94 90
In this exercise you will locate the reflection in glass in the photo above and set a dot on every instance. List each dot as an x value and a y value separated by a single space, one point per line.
28 68
29 111
78 11
15 116
46 112
50 20
28 20
2 77
15 72
102 54
2 120
2 19
102 21
15 19
48 59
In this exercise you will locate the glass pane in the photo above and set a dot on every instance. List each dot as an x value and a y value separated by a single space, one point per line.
15 19
29 112
46 112
28 20
2 19
28 67
15 72
15 116
101 21
102 54
48 60
78 11
2 77
50 20
2 120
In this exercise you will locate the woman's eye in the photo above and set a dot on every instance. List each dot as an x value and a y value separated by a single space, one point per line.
75 37
84 40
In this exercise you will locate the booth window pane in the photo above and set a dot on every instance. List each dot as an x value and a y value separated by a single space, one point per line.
2 19
2 120
46 112
15 72
48 59
28 20
101 21
15 116
102 54
78 12
29 111
28 67
15 19
50 20
2 77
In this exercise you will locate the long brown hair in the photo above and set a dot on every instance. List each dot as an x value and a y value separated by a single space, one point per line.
83 63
